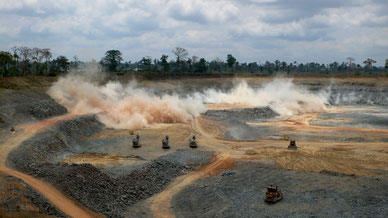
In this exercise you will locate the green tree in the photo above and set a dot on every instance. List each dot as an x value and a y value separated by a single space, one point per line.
350 61
62 63
277 65
284 65
146 63
164 63
369 62
180 54
253 67
386 64
201 66
5 59
47 55
25 54
112 60
230 60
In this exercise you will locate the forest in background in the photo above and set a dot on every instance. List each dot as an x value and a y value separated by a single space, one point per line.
26 61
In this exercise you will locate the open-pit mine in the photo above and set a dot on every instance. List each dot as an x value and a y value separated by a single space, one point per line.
71 152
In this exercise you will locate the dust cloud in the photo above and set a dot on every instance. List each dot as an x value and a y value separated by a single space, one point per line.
281 95
129 106
122 106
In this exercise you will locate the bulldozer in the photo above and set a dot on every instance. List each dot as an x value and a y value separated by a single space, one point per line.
165 143
292 145
136 142
193 142
273 194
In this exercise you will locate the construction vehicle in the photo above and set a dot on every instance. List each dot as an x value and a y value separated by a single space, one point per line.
193 142
273 194
292 145
136 142
165 143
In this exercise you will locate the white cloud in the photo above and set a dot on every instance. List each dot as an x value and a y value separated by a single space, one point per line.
254 30
202 10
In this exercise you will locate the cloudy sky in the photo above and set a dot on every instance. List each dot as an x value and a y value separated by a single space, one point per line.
252 30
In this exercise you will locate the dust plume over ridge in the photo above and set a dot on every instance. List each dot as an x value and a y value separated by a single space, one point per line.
123 106
281 95
130 106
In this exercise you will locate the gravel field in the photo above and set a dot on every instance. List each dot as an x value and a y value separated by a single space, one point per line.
240 192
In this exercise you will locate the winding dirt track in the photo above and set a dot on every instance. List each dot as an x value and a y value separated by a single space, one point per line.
161 203
59 200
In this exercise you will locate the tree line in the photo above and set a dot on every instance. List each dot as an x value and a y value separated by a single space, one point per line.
25 61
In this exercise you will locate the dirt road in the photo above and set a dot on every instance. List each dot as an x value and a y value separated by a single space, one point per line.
161 203
60 201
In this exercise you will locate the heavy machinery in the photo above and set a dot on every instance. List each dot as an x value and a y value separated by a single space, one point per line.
273 194
136 142
165 143
292 145
193 142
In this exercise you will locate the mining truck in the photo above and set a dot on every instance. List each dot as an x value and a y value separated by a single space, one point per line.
273 194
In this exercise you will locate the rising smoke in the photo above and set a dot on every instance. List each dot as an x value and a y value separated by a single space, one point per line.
129 106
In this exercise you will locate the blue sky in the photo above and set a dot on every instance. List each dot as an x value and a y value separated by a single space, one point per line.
252 30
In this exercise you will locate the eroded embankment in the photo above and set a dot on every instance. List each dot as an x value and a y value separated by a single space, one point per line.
40 155
24 106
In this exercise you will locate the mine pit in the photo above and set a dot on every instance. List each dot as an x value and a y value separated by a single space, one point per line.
82 147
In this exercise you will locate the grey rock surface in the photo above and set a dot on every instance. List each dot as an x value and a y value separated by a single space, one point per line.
306 194
23 106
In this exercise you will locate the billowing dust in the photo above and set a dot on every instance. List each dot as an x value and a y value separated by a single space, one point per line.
130 106
281 94
123 106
